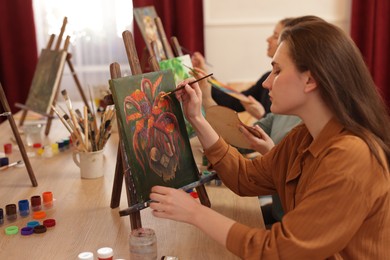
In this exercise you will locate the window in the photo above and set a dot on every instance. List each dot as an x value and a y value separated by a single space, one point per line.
95 28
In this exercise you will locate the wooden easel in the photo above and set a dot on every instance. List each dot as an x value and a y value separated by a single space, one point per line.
122 164
19 141
50 116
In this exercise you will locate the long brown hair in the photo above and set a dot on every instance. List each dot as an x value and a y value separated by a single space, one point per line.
343 79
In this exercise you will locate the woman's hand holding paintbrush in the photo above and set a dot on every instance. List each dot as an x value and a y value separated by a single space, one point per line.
205 87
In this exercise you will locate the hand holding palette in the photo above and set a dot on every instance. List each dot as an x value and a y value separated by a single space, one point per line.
226 122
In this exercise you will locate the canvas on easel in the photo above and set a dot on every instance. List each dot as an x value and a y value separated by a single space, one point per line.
156 140
180 67
150 139
47 78
145 18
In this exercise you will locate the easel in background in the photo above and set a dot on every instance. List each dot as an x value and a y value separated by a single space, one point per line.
122 165
38 86
7 112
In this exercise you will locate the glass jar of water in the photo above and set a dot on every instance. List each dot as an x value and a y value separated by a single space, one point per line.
143 244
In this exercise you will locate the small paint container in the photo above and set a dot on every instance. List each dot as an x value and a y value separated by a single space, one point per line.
36 203
37 145
40 229
105 253
1 216
24 208
33 134
33 223
54 148
8 148
26 231
11 230
39 215
10 212
40 151
66 143
85 256
47 199
4 161
194 194
61 145
50 222
47 151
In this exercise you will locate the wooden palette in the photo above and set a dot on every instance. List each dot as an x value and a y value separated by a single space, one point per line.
226 122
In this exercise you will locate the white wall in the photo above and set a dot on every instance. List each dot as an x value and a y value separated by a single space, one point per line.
236 31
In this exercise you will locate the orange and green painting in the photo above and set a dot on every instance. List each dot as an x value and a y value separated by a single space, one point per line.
153 131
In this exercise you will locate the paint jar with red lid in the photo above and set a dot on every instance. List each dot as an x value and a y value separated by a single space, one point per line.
8 148
105 253
36 203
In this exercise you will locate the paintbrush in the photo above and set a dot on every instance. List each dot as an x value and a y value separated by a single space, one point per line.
5 114
142 205
92 131
190 83
93 112
86 129
10 165
73 116
75 132
61 119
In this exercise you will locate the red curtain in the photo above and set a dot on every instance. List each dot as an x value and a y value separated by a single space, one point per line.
180 18
18 49
370 23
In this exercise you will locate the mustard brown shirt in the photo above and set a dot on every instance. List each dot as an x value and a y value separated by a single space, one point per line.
335 194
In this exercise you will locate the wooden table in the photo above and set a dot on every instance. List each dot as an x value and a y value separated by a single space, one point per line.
85 221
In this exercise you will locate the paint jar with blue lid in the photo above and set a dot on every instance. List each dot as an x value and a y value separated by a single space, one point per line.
24 208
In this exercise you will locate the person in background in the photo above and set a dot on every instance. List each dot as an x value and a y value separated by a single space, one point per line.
259 104
331 172
273 127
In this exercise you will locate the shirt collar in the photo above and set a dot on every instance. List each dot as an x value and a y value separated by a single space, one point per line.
331 129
